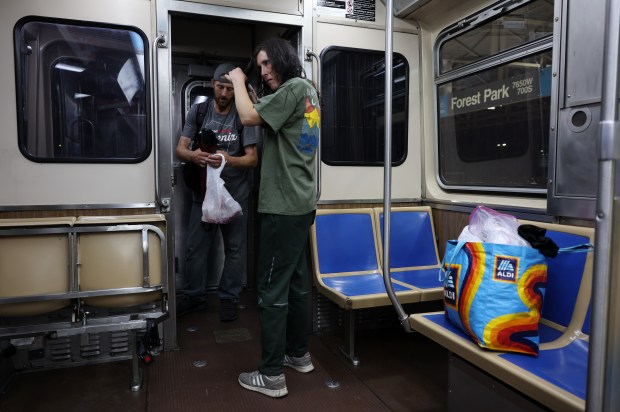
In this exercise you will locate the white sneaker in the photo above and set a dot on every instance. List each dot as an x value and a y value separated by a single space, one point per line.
274 386
302 364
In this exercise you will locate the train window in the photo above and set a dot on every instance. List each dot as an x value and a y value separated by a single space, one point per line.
493 116
510 29
195 92
352 107
83 92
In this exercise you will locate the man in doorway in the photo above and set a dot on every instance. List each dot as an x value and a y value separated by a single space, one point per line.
238 145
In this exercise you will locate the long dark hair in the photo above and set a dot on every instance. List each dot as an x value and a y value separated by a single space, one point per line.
284 61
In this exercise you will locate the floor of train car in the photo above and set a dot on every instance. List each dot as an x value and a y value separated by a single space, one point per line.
399 371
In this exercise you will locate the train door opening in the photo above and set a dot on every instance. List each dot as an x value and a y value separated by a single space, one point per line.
198 45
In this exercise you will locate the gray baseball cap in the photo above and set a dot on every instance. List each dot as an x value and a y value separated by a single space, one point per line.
221 70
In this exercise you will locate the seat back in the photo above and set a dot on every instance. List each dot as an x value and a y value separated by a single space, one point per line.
412 238
118 259
343 241
34 262
569 277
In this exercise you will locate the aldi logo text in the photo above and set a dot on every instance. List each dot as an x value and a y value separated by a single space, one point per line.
506 269
450 285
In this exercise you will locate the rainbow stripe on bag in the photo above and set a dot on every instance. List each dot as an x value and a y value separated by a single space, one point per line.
495 293
471 283
514 332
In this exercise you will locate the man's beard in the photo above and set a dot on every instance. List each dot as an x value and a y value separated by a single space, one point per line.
222 104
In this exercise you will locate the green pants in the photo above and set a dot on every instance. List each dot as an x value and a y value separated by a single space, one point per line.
283 289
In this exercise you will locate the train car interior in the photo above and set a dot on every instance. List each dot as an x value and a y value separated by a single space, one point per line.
503 104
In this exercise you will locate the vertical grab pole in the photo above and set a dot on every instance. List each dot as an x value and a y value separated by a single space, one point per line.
387 164
603 356
159 42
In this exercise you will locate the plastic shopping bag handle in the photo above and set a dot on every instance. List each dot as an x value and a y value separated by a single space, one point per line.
584 247
457 249
219 169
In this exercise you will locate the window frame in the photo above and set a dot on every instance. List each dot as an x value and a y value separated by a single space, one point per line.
531 48
22 96
187 89
405 143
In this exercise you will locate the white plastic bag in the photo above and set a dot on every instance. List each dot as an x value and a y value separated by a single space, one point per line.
467 236
218 205
494 227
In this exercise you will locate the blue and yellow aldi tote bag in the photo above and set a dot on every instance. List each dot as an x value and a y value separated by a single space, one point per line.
495 293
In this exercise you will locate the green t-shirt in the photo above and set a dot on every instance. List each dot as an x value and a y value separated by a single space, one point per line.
292 117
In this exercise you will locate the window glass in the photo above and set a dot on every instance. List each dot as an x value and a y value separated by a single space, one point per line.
352 107
82 93
494 125
517 27
195 92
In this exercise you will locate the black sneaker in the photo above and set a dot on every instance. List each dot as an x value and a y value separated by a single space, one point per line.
228 310
187 304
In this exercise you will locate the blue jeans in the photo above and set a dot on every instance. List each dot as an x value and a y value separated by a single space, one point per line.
200 238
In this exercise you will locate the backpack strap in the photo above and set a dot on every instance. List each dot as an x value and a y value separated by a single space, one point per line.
201 112
200 115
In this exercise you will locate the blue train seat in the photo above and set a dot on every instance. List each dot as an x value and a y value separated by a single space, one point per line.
346 266
556 378
414 259
564 280
346 260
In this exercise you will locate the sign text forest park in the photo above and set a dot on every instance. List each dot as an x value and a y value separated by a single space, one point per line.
502 92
